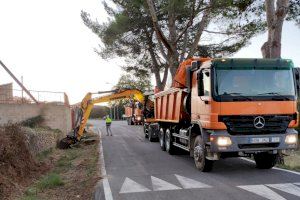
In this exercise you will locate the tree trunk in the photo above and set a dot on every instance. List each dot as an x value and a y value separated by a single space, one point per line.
275 19
156 67
173 64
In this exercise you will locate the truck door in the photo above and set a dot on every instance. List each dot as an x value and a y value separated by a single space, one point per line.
201 97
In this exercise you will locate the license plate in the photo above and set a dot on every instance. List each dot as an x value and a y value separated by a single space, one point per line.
260 140
275 139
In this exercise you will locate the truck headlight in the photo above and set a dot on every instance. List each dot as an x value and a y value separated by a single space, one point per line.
291 139
223 141
139 118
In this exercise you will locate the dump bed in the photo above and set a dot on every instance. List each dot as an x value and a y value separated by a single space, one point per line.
128 111
169 105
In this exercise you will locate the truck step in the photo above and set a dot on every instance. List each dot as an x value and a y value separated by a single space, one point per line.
180 136
181 146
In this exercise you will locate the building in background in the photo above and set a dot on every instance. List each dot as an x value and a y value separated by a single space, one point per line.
6 92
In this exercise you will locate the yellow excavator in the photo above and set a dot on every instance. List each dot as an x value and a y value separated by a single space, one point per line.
83 110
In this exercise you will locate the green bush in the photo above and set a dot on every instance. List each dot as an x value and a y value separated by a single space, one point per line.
33 122
50 181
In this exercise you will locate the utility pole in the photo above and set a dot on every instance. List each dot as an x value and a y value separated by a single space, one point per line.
22 89
110 111
114 111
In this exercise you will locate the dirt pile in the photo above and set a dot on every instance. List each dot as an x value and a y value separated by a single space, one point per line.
17 166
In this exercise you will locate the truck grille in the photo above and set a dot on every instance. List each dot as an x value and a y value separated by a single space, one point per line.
257 146
244 125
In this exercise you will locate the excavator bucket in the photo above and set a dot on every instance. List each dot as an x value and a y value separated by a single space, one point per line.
66 142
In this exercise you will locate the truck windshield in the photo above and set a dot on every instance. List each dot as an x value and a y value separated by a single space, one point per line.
256 83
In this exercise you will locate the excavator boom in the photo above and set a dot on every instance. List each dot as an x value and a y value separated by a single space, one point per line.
86 107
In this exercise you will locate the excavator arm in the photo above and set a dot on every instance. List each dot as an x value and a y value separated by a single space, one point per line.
87 105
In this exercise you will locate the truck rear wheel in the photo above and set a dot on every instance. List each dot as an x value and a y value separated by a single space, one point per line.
162 139
170 148
265 160
150 134
200 154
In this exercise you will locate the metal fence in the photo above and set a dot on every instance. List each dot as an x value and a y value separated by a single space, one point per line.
19 96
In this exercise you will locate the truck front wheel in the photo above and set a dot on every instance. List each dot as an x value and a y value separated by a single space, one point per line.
162 139
265 160
200 154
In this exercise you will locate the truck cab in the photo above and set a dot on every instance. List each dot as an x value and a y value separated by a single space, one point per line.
246 107
133 113
229 108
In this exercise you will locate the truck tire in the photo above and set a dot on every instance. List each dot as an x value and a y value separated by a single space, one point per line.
170 148
145 131
265 160
130 122
200 153
150 134
162 139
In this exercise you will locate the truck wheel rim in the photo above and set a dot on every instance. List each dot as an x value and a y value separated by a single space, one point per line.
167 140
161 140
198 153
149 135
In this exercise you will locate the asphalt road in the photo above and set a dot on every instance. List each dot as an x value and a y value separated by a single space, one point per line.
137 169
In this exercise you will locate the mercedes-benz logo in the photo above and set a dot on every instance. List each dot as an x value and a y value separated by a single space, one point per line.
259 122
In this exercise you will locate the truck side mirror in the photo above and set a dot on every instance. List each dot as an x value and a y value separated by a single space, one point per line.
297 79
200 84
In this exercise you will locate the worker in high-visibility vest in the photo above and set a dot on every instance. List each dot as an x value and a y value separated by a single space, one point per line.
108 125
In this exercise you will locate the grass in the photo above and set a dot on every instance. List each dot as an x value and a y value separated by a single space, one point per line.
74 171
292 162
49 181
92 162
52 180
44 154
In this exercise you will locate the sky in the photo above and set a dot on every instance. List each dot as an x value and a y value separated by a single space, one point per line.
46 42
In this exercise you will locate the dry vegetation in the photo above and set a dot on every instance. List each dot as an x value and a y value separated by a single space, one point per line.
17 166
73 176
52 174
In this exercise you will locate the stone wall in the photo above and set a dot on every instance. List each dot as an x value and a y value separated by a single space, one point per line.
41 139
56 116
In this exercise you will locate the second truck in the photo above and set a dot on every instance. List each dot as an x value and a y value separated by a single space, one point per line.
220 108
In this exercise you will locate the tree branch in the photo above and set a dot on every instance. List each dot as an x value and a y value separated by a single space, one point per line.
202 25
157 29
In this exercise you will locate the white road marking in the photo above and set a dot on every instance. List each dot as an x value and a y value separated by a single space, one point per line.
276 168
286 187
159 185
130 186
262 191
188 183
106 187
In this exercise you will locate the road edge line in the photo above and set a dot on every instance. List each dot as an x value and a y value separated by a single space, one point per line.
276 168
105 183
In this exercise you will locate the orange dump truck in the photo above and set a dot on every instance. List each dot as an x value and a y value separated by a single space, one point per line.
134 113
220 108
